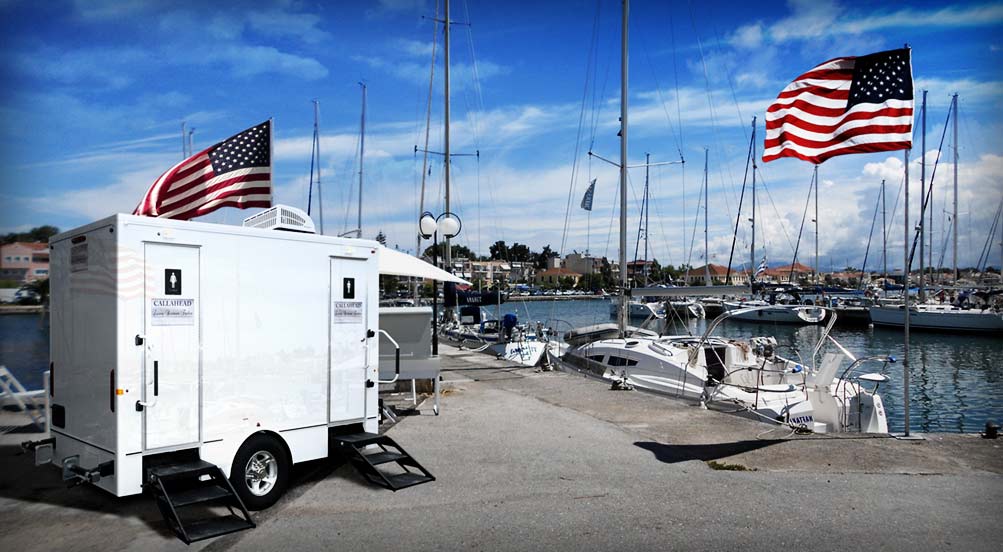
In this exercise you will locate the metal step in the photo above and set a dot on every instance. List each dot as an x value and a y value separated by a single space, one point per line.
354 447
215 527
357 439
187 469
403 480
384 457
178 485
198 495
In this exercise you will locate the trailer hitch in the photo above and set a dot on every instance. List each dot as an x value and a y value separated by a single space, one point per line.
74 474
43 450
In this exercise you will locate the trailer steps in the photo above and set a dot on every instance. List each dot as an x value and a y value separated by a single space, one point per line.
389 452
178 487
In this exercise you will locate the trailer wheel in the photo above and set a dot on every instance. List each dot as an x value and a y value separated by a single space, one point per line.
260 472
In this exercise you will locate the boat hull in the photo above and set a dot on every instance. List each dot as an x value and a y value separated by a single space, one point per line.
939 319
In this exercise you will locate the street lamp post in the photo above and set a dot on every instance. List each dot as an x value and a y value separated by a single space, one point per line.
429 226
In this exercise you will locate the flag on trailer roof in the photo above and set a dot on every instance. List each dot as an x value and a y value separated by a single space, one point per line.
236 172
587 198
845 105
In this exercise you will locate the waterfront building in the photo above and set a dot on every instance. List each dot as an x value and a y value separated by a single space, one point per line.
718 275
24 261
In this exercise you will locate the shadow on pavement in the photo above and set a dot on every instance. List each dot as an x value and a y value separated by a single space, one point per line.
672 454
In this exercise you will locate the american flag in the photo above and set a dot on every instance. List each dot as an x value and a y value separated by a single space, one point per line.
236 172
845 105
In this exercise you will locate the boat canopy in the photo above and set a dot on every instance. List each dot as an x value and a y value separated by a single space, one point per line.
395 263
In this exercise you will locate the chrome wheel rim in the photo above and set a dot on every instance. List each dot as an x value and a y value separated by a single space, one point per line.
261 473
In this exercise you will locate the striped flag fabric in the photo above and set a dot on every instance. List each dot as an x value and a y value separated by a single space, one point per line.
236 172
845 105
589 193
762 267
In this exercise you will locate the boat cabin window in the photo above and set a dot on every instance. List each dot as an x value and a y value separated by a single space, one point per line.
620 361
597 358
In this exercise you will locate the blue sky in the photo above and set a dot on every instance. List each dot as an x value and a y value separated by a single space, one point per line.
94 93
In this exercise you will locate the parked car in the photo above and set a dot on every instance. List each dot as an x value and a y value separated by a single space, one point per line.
27 296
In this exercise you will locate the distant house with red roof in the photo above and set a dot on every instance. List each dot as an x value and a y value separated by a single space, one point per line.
718 275
553 276
24 261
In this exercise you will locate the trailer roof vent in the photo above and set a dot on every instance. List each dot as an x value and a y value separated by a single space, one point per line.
282 217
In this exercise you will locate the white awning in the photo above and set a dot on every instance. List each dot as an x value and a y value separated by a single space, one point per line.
395 263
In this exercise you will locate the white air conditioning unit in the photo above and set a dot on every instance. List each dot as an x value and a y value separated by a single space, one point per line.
282 217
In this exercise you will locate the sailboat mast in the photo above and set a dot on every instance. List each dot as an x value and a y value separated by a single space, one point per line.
316 146
922 203
884 241
448 255
622 313
706 246
647 209
955 215
816 224
362 151
752 268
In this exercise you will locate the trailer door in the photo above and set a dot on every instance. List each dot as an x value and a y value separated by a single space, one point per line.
171 375
349 349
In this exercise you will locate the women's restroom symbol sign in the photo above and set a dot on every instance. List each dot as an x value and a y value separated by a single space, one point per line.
172 281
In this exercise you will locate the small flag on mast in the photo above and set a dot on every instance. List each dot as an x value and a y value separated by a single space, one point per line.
762 267
845 105
587 199
236 172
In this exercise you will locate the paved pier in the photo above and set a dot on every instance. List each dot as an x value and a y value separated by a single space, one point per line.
529 460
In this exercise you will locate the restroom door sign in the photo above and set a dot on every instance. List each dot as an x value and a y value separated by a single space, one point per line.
172 281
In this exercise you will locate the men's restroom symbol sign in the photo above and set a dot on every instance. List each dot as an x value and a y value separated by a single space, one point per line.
172 281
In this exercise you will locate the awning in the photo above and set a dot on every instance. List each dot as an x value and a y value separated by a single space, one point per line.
395 263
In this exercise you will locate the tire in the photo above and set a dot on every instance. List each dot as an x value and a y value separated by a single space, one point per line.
260 472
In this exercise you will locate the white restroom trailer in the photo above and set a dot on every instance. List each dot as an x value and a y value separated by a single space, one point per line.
174 339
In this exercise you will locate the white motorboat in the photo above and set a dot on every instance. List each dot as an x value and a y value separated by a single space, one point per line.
638 309
776 313
943 317
746 373
512 342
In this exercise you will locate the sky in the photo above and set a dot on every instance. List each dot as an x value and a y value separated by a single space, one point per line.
94 94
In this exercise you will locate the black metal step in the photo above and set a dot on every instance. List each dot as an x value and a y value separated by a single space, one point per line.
384 457
215 527
198 495
187 469
357 439
403 480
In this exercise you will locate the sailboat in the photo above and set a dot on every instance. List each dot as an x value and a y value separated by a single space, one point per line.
506 338
961 316
823 397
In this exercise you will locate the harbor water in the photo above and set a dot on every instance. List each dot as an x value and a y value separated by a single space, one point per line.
956 380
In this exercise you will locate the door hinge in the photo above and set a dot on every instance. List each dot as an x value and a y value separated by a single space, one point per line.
139 340
369 383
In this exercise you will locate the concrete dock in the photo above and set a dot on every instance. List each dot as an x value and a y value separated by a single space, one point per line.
531 460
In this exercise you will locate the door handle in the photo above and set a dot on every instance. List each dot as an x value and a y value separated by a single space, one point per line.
156 388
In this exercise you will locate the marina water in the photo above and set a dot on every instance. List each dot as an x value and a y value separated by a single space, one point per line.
956 380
